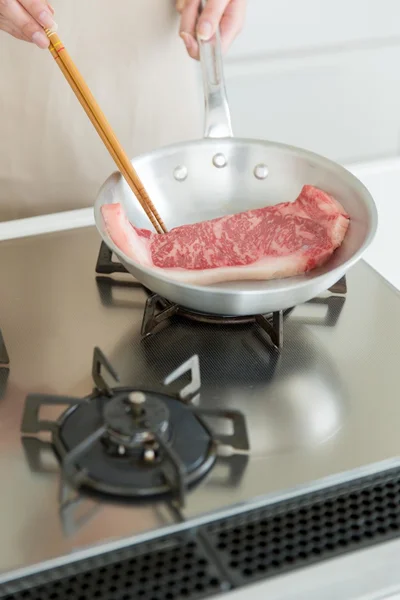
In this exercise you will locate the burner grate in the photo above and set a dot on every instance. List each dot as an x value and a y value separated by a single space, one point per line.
134 443
159 311
4 366
4 358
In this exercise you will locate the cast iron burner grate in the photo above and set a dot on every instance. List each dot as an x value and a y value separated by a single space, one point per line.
135 443
4 367
4 358
159 311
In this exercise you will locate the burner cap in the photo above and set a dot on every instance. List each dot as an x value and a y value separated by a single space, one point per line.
133 418
188 447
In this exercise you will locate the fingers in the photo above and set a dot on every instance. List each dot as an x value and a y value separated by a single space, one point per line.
190 13
232 22
25 19
228 15
210 18
180 5
40 11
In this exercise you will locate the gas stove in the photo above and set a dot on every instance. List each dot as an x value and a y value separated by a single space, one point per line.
130 442
152 452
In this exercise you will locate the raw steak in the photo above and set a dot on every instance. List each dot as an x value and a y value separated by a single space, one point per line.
278 241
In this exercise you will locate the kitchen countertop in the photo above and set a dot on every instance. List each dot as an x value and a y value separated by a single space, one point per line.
370 574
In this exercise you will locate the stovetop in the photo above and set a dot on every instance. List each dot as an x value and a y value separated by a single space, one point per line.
322 410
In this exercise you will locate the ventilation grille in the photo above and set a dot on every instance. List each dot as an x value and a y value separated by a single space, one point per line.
294 534
181 571
232 552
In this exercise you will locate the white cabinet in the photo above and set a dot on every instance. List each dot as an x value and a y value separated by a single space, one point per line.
319 74
289 25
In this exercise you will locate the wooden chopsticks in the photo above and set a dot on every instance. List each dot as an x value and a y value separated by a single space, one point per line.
102 127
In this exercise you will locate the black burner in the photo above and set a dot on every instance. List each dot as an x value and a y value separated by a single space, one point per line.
140 465
135 443
132 417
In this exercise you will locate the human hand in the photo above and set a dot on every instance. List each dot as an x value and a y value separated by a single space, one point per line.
228 15
25 19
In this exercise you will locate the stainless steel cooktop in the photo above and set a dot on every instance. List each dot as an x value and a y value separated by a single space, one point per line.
323 410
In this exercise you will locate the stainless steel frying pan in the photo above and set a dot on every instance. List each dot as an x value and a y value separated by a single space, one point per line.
219 175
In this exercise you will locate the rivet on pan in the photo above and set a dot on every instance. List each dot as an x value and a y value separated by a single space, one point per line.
180 173
219 161
261 171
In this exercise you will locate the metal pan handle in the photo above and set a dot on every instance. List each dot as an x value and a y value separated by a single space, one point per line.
217 114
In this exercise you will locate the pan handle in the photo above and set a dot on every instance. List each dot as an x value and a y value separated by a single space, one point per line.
217 113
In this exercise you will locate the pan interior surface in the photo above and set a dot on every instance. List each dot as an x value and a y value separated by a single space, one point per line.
210 178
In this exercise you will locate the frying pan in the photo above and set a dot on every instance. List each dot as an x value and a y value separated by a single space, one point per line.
218 175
